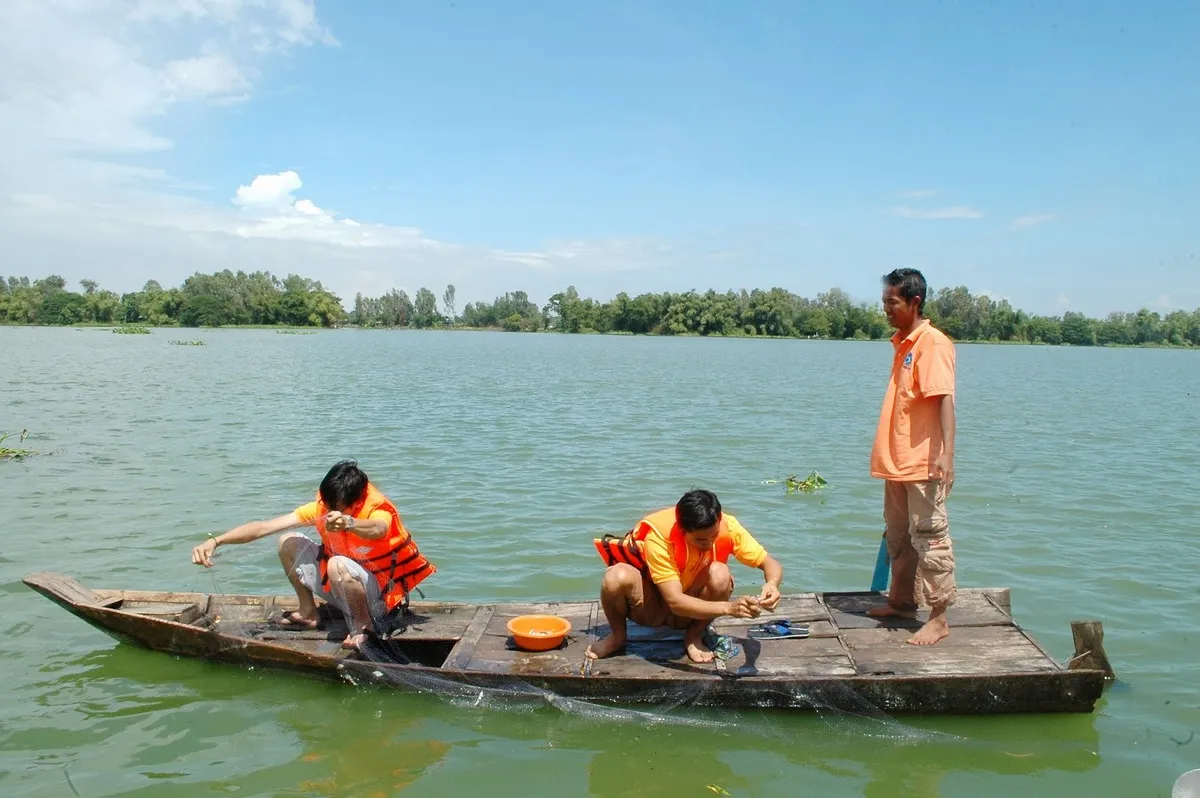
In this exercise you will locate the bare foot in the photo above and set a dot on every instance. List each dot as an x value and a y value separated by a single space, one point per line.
933 630
294 620
888 611
698 652
606 647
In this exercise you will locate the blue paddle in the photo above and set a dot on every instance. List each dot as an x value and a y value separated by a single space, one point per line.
879 580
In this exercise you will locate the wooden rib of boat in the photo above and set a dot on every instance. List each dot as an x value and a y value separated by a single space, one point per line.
988 665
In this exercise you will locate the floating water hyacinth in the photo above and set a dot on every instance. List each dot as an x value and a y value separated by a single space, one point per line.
186 343
7 453
813 482
131 329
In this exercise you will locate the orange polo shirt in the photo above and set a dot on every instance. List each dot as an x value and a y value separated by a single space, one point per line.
909 437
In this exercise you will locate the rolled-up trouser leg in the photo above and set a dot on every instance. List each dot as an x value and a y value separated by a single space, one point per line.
898 528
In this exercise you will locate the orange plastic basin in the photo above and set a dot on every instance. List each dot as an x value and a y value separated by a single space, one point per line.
538 632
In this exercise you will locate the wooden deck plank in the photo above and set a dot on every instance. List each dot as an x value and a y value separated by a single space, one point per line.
980 650
796 657
464 649
972 608
153 595
172 611
448 622
240 608
495 651
438 622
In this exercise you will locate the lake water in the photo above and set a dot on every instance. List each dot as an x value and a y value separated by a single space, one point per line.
506 453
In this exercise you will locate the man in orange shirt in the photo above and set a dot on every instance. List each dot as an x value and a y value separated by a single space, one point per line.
671 571
914 455
366 562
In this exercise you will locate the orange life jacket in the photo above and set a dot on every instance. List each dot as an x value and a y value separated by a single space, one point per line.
629 549
393 559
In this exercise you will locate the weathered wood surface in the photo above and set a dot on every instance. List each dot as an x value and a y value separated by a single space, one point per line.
987 664
973 608
1089 648
969 650
496 653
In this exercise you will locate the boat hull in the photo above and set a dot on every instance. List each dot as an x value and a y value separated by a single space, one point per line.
849 662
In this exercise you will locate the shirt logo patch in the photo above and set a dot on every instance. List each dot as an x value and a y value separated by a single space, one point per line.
908 360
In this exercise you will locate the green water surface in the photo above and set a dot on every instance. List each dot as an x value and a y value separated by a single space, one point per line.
1076 488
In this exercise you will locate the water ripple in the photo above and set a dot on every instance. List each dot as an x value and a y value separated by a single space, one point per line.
506 454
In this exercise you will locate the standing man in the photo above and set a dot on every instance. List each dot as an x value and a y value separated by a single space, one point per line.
914 455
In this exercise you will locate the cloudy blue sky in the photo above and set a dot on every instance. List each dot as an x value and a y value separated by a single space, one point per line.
1047 153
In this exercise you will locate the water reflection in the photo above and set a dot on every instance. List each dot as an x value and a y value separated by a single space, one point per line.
171 721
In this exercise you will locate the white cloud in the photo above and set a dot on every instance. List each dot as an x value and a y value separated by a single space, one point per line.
299 23
269 191
92 77
952 212
89 84
263 24
1023 222
215 76
307 208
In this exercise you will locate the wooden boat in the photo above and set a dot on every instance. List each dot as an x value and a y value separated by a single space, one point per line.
848 661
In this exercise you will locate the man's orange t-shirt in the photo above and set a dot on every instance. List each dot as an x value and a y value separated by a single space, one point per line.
308 514
660 555
909 437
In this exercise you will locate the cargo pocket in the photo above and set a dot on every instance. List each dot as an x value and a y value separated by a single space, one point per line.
935 575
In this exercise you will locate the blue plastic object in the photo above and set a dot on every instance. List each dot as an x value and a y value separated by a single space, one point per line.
879 581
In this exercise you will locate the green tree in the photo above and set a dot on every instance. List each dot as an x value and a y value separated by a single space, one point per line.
1044 330
425 313
448 304
62 307
1078 330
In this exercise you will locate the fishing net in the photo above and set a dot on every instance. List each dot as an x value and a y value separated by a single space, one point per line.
464 655
688 702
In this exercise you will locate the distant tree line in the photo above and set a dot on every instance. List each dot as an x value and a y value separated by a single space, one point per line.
204 300
226 298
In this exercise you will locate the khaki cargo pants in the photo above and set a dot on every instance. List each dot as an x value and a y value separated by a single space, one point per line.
918 541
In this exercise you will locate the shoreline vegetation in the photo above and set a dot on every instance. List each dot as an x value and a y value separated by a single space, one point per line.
298 304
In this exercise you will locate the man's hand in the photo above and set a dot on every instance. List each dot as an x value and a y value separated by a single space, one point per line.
337 522
745 607
769 597
943 469
202 554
